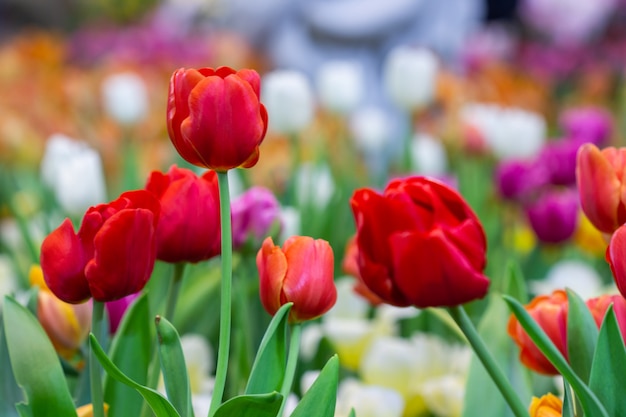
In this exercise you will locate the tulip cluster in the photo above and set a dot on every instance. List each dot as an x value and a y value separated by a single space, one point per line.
544 185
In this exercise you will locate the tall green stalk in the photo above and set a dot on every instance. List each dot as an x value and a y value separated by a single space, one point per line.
95 370
225 304
292 362
491 366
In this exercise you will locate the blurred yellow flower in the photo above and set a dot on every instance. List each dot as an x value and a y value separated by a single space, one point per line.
548 405
87 410
588 238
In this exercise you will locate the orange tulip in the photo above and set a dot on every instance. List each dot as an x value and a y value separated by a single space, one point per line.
601 178
550 312
301 272
548 405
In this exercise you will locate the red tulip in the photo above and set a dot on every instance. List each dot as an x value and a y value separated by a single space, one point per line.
301 272
550 312
110 257
419 243
189 225
616 257
214 117
599 305
601 176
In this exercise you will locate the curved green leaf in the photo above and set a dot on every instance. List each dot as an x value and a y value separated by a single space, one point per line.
130 351
269 365
35 364
582 334
321 398
609 366
257 405
158 403
173 367
590 403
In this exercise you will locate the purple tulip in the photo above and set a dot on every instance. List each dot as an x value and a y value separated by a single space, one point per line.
558 159
553 216
518 180
116 309
587 124
255 213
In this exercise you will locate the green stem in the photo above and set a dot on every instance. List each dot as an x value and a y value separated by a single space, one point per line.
292 362
225 305
172 294
478 345
95 370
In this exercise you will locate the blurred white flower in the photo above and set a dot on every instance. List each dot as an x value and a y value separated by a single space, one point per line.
508 132
73 171
290 221
575 274
8 278
428 155
314 185
125 97
410 77
370 127
288 97
340 85
417 368
367 400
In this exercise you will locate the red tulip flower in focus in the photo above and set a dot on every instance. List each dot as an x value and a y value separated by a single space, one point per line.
599 305
419 243
110 257
550 312
600 175
616 257
300 272
214 117
189 226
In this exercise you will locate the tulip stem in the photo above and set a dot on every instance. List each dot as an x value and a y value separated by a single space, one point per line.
292 362
95 370
461 318
172 294
225 304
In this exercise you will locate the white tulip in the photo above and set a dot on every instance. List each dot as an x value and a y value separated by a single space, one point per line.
125 97
410 77
290 223
74 172
288 97
370 127
314 185
428 155
508 132
367 400
340 85
577 275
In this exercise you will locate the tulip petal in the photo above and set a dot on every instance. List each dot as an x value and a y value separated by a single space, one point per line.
599 188
616 258
431 271
309 280
125 251
63 261
272 266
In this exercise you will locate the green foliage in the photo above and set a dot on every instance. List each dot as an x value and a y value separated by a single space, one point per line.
35 364
582 333
257 405
320 399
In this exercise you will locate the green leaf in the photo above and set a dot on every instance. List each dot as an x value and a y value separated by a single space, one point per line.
582 333
159 404
35 364
568 401
256 405
269 365
320 399
609 366
10 393
482 396
173 367
590 403
352 413
514 282
130 351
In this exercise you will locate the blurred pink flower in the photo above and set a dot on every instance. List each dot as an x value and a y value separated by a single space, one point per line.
255 214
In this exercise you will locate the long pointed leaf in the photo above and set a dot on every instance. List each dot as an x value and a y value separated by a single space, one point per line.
158 403
10 393
269 365
609 367
173 367
130 351
35 364
590 403
257 405
582 334
321 398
